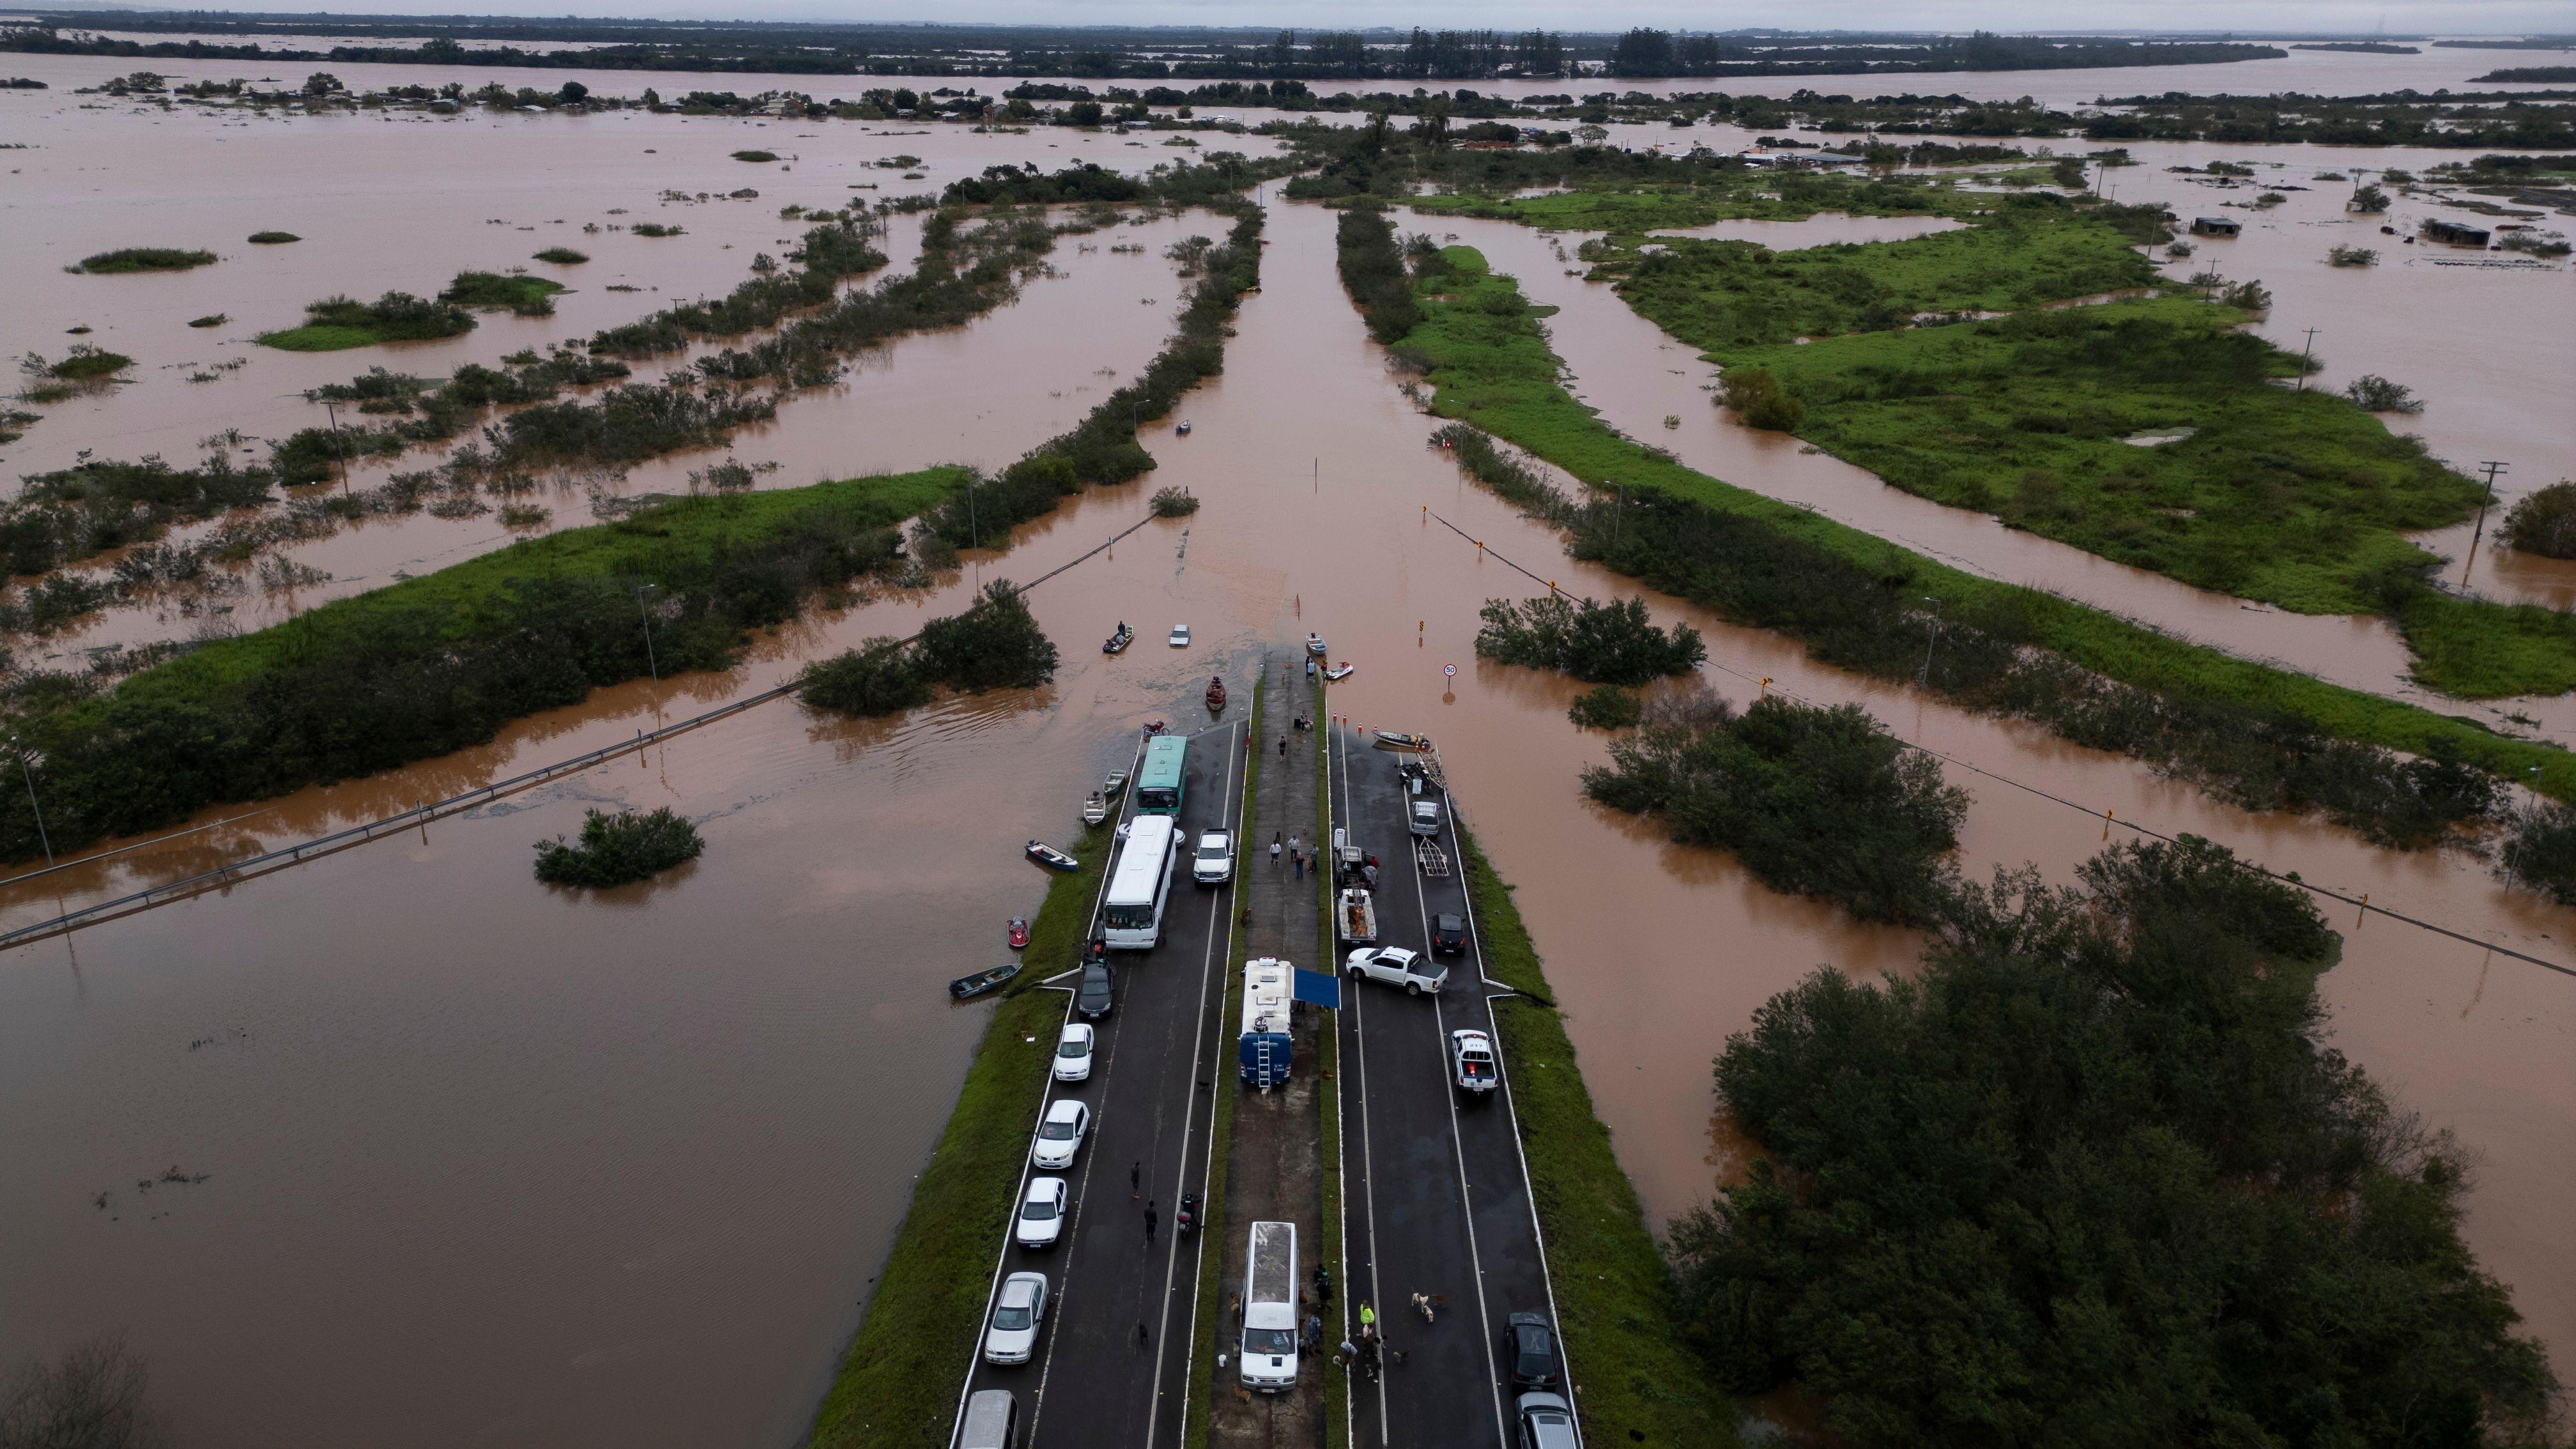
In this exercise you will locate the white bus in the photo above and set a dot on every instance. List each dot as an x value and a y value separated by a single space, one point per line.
1131 919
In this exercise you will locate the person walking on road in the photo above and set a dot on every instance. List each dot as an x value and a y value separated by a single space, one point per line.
1368 1319
1143 1339
1299 859
1136 1180
1283 747
1149 1223
1274 849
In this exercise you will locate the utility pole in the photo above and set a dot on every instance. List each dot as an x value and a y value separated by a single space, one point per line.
1928 643
30 775
2305 349
2484 503
339 445
641 607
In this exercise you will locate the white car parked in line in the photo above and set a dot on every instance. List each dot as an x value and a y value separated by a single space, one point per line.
1073 1052
1043 1209
1396 966
1060 1135
1214 863
1019 1311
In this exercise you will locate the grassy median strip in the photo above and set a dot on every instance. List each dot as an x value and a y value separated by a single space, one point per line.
1491 366
1636 1380
899 1381
1328 1068
1212 1220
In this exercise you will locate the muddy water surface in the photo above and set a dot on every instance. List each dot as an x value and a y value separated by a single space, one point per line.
624 1166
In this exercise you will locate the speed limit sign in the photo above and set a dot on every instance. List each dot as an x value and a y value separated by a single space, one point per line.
1449 669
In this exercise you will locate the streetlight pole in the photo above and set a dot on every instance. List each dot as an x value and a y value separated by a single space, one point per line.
29 775
650 661
1926 682
2513 851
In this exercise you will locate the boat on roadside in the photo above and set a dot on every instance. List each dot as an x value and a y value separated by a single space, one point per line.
1052 858
1399 740
1019 933
968 987
1355 914
1346 670
1315 645
1114 786
1095 808
1216 696
1117 643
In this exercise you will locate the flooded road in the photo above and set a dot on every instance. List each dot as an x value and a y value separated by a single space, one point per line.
487 1162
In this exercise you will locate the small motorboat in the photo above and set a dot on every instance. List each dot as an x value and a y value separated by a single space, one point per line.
1184 428
1095 808
1114 786
1315 645
1216 696
966 987
1344 671
1399 740
1052 858
1019 933
1118 642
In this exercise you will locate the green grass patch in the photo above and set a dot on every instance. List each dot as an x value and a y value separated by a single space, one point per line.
1620 204
899 1381
1727 294
337 323
273 238
144 259
1196 1414
1614 1292
496 291
1491 367
562 256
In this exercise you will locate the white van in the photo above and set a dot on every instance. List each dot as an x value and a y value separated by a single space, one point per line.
1269 1348
992 1421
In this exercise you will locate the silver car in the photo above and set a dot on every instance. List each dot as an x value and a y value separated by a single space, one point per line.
1019 1311
1043 1209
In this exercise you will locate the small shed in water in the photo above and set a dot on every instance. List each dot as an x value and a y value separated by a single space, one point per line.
2214 226
2454 233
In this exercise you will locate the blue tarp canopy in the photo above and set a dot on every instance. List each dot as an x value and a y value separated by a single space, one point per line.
1320 987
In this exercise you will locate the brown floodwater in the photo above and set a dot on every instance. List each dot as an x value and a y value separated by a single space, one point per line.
619 1169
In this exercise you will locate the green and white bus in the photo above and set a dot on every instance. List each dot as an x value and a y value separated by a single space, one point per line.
1166 769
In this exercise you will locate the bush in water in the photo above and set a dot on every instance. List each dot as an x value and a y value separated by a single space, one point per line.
878 677
2376 394
618 849
1818 801
2544 522
996 644
1605 707
2542 851
1595 642
2266 1244
1758 395
1175 503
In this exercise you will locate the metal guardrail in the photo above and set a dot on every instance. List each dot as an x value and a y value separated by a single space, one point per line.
339 840
321 845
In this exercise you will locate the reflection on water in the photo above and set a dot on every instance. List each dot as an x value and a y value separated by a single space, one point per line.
628 1164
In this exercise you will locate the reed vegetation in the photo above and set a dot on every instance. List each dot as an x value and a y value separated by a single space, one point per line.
497 291
619 849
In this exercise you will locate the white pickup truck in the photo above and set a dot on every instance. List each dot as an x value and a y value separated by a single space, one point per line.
1396 966
1471 1061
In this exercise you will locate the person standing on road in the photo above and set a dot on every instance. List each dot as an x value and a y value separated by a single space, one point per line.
1136 1180
1292 843
1368 1319
1298 859
1274 849
1283 747
1149 1222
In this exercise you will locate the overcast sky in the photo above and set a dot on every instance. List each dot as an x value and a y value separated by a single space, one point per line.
2445 17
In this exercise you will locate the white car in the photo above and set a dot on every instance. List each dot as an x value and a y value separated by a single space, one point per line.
1073 1053
1043 1209
1018 1313
1060 1135
1214 864
1396 966
1180 636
